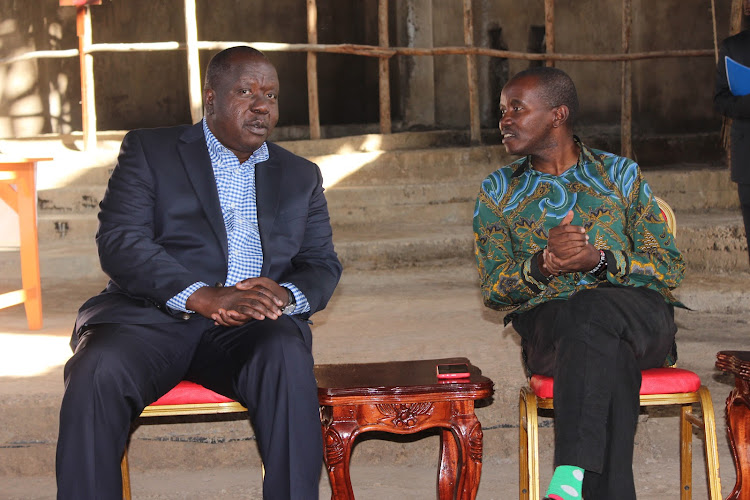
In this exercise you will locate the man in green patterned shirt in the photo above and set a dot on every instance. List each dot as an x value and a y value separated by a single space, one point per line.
571 239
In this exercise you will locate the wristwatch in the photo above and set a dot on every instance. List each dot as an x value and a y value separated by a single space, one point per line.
600 271
292 305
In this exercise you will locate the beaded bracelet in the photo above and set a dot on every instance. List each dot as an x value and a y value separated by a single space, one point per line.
602 262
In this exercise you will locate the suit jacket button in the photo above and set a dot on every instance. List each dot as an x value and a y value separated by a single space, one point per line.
185 316
219 284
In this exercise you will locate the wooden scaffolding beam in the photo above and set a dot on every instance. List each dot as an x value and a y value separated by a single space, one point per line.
313 112
549 30
471 73
384 74
88 99
626 111
193 62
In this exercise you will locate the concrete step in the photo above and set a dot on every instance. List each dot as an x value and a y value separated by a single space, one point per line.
372 239
352 169
445 202
389 190
411 166
75 198
375 142
693 187
59 226
712 241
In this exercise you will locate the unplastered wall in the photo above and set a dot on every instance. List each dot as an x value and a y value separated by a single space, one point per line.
149 89
670 95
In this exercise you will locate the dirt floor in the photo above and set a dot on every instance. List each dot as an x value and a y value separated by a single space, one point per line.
413 313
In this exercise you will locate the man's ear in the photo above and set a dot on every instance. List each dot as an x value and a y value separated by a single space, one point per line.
561 114
208 101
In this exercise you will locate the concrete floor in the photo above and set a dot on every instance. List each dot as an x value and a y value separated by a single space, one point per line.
411 313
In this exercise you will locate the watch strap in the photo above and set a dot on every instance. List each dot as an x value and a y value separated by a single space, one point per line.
292 304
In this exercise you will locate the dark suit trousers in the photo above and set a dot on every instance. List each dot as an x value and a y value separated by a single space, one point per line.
594 345
744 194
117 370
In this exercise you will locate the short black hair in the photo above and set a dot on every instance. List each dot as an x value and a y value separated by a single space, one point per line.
221 62
555 87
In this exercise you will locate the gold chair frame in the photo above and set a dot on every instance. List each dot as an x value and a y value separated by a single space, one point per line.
529 404
528 456
184 410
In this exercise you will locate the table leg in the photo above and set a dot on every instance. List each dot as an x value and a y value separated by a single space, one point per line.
448 470
468 431
738 428
338 438
30 277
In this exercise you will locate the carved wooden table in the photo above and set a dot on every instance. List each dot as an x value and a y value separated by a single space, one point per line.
738 417
403 397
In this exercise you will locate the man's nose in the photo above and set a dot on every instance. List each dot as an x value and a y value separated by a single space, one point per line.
505 120
261 105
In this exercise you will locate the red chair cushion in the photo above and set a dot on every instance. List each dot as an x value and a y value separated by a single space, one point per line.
186 393
654 381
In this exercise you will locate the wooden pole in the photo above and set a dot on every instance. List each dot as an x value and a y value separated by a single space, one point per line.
88 101
549 30
360 50
384 77
471 70
716 35
626 116
735 21
193 62
313 111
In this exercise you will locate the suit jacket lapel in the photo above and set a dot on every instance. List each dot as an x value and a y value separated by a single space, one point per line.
267 187
197 163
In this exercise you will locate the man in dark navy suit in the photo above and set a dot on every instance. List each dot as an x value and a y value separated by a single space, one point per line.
218 246
737 107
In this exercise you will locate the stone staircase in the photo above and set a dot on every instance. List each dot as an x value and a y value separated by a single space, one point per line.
403 199
401 207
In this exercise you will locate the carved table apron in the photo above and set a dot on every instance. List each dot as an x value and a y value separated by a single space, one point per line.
738 418
403 397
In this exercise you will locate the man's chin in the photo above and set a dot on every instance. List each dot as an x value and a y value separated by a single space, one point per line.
510 149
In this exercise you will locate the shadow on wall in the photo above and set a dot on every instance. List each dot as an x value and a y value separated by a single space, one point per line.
38 96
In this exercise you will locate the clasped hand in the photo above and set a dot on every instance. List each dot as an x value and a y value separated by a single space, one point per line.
253 298
568 249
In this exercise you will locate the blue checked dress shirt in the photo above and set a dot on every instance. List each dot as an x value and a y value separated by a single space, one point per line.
236 186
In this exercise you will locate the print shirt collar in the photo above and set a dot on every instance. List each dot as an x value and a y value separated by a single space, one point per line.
586 156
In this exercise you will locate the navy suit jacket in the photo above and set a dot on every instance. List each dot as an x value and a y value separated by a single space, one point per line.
735 107
161 228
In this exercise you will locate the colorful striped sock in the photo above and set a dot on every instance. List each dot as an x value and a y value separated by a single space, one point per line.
566 483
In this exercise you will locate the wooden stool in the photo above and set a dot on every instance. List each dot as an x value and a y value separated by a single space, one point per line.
738 417
403 397
18 190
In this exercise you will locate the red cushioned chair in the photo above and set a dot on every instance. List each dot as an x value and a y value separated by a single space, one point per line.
660 386
186 398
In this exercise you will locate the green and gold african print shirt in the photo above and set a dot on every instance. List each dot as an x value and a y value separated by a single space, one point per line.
609 197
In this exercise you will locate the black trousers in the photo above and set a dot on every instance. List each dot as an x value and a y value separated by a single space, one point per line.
594 345
117 370
744 194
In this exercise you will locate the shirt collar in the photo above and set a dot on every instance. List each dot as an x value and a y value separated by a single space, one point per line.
222 157
586 155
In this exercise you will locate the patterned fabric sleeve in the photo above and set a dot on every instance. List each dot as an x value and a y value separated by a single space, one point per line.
654 259
507 280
